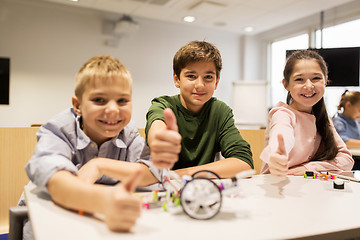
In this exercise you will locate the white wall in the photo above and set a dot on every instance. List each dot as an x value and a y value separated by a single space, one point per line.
47 44
249 103
255 58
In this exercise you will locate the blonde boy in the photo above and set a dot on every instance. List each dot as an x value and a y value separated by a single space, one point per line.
84 144
186 131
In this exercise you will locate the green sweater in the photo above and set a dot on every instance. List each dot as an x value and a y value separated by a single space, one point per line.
203 135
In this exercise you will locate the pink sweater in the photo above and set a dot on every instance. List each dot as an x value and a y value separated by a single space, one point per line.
301 141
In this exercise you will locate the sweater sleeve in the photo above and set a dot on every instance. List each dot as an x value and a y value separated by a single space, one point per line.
281 121
342 161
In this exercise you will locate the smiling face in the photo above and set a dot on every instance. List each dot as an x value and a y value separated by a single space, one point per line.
197 84
105 107
306 84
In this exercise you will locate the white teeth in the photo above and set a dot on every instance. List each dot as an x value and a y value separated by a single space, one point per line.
114 122
309 95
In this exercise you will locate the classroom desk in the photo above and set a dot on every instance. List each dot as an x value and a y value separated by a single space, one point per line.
355 151
267 208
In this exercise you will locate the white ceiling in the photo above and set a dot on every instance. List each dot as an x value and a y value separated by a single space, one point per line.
229 15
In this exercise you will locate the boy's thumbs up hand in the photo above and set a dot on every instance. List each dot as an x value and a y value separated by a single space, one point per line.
170 120
133 181
122 209
278 163
165 143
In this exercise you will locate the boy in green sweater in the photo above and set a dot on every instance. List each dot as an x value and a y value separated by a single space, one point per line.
186 131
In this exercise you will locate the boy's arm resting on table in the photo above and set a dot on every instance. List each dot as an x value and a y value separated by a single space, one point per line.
225 168
120 170
120 208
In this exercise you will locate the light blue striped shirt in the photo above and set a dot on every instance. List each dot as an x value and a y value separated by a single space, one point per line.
62 145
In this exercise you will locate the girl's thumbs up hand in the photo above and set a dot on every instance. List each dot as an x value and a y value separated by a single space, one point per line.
278 163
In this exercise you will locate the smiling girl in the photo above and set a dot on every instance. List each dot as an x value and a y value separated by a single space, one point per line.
300 136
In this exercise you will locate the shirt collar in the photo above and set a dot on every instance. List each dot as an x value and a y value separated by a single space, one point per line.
118 140
82 139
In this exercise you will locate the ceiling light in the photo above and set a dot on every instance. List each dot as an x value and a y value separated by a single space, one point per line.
248 29
189 19
74 0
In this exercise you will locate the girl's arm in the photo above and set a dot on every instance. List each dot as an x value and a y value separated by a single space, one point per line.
280 141
343 160
281 122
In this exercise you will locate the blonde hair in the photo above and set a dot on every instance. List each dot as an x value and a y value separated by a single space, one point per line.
103 68
352 97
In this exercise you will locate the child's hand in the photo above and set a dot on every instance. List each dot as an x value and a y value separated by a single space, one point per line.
278 163
297 171
90 171
121 208
166 144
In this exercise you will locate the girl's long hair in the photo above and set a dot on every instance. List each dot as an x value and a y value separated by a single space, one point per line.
328 145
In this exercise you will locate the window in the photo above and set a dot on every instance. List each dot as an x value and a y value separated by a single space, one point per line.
342 35
278 58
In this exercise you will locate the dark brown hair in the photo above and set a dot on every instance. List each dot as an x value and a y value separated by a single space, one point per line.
323 126
196 51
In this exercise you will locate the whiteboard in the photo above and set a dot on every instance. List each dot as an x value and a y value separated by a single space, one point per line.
249 102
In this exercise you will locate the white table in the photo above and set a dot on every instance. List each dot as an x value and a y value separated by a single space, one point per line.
268 208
